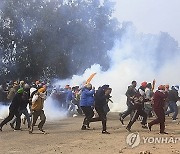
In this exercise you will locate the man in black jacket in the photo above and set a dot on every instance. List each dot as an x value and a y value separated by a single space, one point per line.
14 110
23 107
101 97
138 101
130 93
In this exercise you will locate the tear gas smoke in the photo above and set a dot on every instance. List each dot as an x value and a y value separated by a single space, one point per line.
3 111
137 57
52 110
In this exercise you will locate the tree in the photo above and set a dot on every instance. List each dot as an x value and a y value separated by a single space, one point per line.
54 38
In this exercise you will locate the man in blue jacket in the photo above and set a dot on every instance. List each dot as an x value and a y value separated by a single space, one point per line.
86 103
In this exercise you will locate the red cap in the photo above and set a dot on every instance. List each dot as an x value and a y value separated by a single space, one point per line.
144 84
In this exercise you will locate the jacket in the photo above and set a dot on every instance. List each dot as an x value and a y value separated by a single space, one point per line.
159 99
37 102
16 102
173 95
87 97
101 98
25 101
131 91
69 96
12 92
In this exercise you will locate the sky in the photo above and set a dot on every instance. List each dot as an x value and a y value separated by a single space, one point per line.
151 16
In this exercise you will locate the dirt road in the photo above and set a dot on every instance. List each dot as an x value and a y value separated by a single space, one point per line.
65 137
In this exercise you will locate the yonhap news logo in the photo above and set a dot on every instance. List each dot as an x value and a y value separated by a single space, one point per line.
134 139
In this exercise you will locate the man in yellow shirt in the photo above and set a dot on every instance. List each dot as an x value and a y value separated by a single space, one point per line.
37 108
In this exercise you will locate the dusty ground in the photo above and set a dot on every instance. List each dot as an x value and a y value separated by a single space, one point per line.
65 137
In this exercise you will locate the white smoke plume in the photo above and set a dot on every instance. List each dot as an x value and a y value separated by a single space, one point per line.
3 111
52 111
135 57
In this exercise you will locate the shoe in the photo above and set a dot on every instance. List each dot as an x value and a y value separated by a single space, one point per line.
30 131
128 129
174 121
121 120
105 132
163 133
83 127
41 130
88 125
12 126
144 126
18 129
75 115
149 127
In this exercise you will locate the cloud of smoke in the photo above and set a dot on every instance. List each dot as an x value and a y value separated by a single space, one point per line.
52 110
140 57
3 111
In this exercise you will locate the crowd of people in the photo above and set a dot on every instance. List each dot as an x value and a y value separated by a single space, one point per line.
19 96
142 103
75 100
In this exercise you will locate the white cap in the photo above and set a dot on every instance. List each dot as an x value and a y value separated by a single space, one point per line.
32 90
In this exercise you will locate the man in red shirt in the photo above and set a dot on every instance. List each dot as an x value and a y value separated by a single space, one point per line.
158 106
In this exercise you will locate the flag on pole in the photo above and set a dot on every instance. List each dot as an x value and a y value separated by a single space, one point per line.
90 78
153 84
